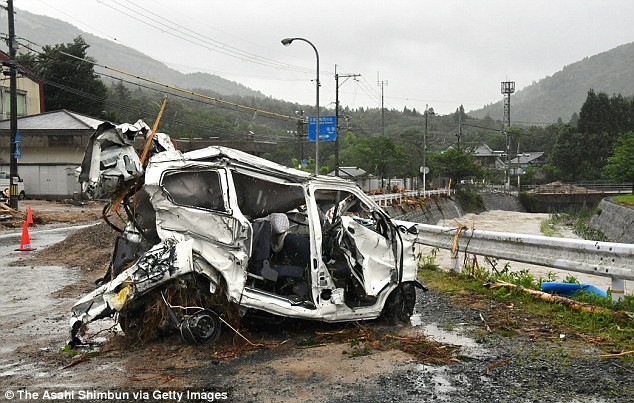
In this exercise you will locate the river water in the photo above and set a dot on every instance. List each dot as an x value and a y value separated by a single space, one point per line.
521 223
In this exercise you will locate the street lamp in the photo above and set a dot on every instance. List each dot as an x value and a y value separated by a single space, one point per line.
286 42
428 111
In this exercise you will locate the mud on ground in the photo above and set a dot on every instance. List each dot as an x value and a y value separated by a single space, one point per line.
295 363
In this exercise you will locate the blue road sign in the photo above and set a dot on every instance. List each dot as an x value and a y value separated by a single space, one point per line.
18 152
18 137
327 128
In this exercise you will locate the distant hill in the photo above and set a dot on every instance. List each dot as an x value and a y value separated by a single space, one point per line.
551 98
563 93
49 31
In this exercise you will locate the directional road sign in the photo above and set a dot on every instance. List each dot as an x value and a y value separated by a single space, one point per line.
327 128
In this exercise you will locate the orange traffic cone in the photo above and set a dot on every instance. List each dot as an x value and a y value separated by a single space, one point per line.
25 244
29 216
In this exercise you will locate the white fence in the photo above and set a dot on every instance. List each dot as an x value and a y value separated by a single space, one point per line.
608 259
388 199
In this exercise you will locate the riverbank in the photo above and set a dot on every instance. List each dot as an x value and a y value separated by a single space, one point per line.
615 220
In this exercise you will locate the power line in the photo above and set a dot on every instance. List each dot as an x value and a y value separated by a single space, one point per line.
173 88
183 90
195 38
87 95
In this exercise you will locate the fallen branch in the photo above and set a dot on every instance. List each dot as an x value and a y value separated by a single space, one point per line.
624 353
485 323
497 364
579 306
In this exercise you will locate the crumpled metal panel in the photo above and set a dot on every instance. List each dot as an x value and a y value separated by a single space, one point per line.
218 238
158 265
110 159
376 260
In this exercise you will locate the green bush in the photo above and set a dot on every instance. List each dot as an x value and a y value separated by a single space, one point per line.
529 201
471 202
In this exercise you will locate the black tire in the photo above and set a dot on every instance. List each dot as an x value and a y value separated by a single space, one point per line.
399 306
203 327
22 195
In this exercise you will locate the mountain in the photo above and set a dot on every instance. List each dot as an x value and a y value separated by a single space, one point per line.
563 93
557 96
43 30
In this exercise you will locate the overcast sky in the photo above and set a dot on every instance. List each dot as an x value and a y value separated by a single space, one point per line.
443 53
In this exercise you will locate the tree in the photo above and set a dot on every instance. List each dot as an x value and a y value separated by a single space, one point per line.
583 153
454 163
620 166
69 79
380 155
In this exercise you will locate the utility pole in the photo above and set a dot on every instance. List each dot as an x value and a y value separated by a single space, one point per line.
354 76
428 111
507 88
300 135
13 106
382 84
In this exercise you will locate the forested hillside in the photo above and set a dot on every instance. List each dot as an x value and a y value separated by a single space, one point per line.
562 94
42 30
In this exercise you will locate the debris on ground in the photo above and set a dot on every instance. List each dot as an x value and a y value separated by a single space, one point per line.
11 218
560 187
364 338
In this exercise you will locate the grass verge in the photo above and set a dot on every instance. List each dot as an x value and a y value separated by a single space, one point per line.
627 200
513 312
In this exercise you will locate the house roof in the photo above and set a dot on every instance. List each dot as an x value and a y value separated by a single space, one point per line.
54 120
349 172
484 150
526 158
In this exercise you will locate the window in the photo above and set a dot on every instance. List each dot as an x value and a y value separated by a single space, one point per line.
201 189
258 198
21 103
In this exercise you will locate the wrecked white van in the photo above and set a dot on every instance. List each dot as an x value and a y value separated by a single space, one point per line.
217 230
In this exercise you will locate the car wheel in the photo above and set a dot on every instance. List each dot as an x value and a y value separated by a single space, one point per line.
203 327
22 195
399 306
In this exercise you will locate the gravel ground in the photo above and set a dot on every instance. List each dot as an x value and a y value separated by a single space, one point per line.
487 368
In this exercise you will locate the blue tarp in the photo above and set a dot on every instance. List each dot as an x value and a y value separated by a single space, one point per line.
571 288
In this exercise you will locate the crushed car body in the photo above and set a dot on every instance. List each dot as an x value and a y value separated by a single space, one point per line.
217 229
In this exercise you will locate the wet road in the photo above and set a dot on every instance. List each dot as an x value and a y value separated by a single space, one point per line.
30 318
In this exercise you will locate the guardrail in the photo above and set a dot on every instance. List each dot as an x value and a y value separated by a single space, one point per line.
608 259
387 199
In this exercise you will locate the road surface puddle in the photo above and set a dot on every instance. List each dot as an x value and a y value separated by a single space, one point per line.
469 347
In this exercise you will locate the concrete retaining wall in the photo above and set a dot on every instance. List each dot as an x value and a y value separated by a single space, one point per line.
432 210
615 221
439 208
502 201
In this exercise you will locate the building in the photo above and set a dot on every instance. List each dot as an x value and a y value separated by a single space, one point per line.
52 147
30 93
487 158
523 161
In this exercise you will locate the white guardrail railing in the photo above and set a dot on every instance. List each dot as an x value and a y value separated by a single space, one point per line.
608 259
387 199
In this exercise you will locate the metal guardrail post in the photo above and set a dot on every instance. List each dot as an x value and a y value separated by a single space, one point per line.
618 289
